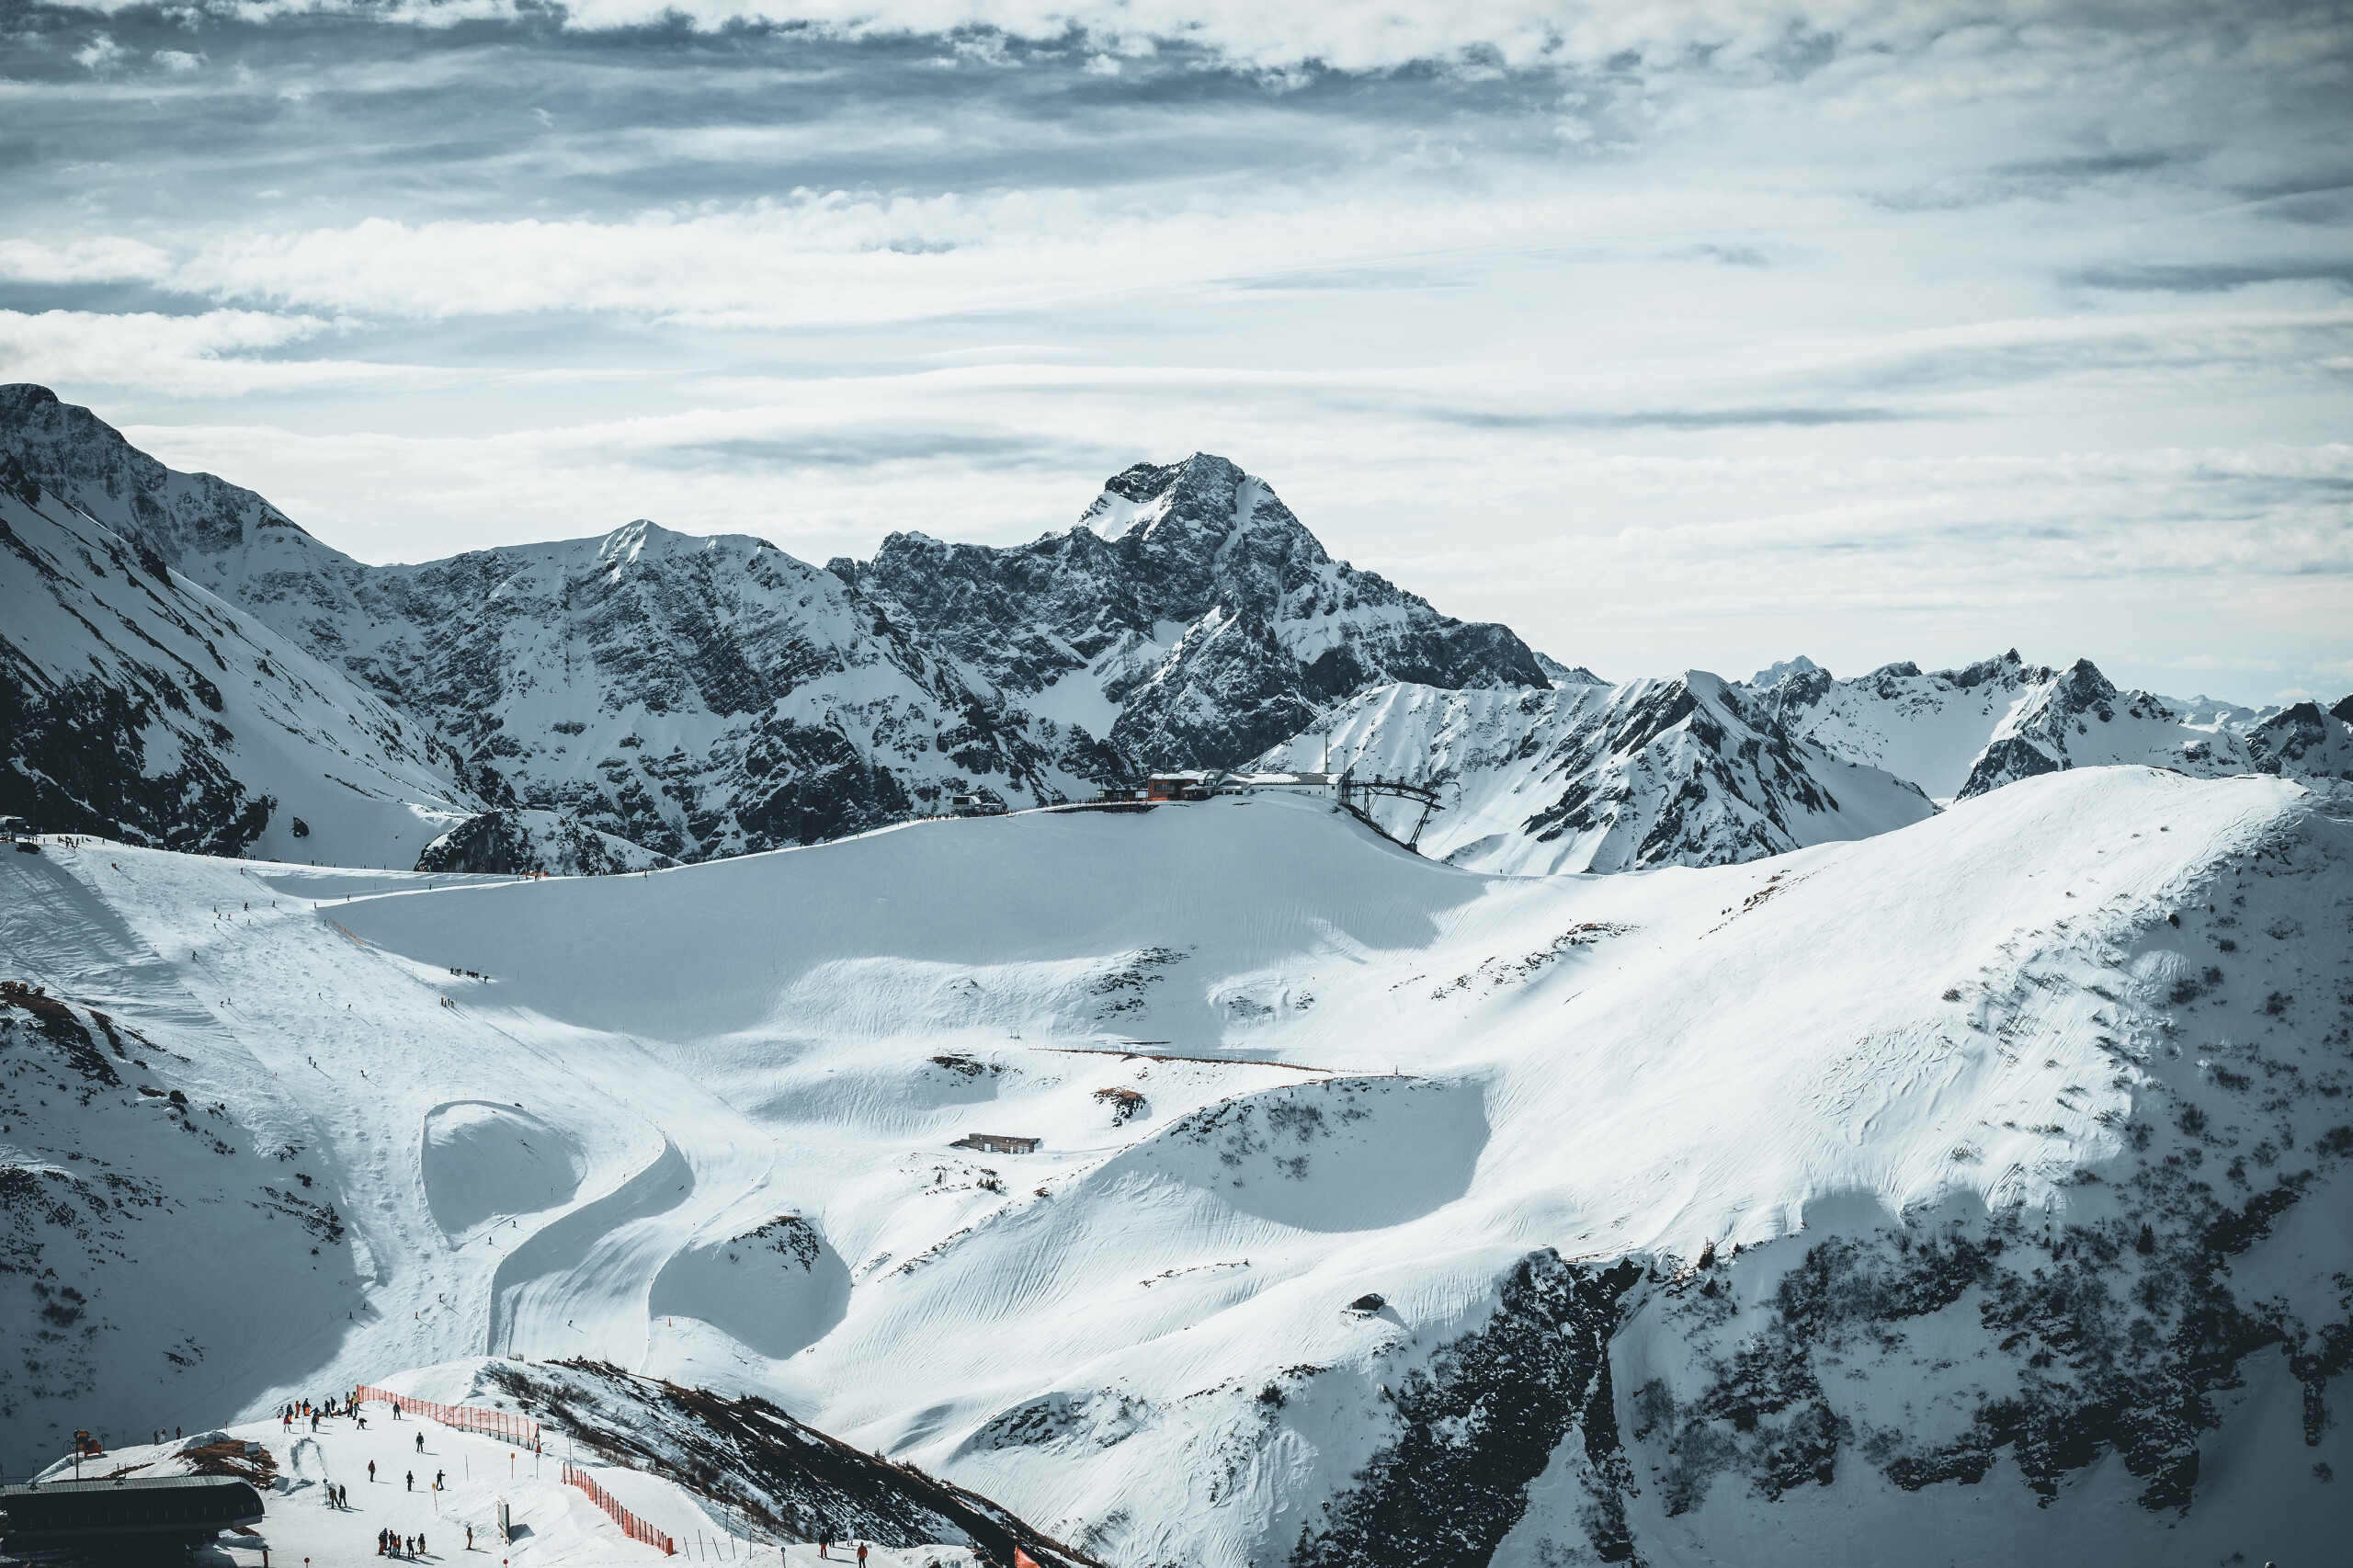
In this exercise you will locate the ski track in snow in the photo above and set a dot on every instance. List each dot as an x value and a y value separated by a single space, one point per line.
758 1068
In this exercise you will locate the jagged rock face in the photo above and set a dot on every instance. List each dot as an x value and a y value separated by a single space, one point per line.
511 842
1960 732
135 705
2306 743
184 517
1928 727
1483 1421
1684 772
696 696
1190 620
1562 675
2082 720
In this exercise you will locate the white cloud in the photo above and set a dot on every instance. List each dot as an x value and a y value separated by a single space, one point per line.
1873 330
212 354
1762 36
178 61
93 259
101 53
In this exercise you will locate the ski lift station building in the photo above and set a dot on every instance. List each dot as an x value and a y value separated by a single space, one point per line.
997 1144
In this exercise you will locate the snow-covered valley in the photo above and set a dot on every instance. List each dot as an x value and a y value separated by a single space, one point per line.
1982 1180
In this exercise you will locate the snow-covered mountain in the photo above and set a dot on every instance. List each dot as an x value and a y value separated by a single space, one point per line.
1187 619
2081 719
1982 1182
136 704
1963 732
2312 745
1773 674
1684 772
706 696
1560 674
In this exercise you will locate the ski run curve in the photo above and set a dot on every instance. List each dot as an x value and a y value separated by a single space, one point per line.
1324 1126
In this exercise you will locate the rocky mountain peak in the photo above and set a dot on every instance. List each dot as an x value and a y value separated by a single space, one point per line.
1203 493
70 452
1780 669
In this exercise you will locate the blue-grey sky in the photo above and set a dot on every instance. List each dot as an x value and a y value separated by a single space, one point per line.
1674 335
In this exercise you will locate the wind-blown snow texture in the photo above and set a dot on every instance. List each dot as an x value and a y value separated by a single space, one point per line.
1982 1182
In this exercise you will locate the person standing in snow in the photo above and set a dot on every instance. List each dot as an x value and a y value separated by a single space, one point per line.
371 1471
420 1442
862 1554
412 1480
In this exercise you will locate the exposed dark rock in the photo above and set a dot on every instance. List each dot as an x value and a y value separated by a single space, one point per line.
1482 1423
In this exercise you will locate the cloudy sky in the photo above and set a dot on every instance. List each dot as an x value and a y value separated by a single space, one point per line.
1695 333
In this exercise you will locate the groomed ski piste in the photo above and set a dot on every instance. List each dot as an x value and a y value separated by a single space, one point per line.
454 1482
1324 1126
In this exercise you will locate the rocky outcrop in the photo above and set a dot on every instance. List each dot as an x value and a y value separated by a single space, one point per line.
520 842
1482 1422
1683 772
2080 719
2305 742
1190 620
708 697
135 705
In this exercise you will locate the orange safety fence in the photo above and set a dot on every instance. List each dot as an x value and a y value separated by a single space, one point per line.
632 1526
520 1429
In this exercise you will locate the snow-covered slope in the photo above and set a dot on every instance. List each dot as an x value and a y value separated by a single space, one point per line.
1684 772
136 704
2080 720
1960 732
1187 620
704 697
445 1486
1890 1189
1929 727
2308 744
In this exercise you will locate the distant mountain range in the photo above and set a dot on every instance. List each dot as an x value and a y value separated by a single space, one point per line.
693 697
184 664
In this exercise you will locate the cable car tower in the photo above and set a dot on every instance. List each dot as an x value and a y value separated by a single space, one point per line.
1353 790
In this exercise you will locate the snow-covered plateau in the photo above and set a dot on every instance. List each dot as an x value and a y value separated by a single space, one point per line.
1972 1192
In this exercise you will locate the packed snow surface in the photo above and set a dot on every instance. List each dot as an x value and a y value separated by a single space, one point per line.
389 1482
1308 1105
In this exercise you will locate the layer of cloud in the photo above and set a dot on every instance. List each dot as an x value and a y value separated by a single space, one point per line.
1770 35
1672 334
215 354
